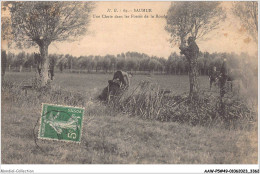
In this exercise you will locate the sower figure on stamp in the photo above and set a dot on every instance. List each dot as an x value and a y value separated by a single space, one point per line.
191 52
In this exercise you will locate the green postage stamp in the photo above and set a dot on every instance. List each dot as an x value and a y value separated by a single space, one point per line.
61 122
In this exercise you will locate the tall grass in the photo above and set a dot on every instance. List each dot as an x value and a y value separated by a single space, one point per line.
15 94
148 101
144 101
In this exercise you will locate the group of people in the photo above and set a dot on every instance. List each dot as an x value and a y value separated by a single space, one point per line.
121 79
192 52
220 77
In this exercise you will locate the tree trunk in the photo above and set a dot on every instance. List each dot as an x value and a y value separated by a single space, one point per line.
3 62
44 77
191 53
193 74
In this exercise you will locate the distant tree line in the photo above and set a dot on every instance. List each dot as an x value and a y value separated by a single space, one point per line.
131 61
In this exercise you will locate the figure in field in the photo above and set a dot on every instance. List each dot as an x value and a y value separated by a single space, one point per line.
191 52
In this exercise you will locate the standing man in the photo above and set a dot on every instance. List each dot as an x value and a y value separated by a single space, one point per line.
192 50
51 68
38 62
213 77
223 78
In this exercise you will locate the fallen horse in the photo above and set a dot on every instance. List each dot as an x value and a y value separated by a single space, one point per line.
113 89
116 87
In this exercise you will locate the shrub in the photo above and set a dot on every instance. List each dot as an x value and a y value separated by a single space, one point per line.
148 101
14 93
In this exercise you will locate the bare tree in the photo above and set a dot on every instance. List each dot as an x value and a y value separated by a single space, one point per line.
192 19
41 23
248 14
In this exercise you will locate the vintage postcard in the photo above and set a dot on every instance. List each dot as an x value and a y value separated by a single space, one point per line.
172 82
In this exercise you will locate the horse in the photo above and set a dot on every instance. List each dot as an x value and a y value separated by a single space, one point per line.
123 77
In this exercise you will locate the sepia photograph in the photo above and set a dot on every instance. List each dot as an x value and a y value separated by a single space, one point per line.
173 82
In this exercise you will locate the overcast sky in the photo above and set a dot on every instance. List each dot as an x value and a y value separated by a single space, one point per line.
113 36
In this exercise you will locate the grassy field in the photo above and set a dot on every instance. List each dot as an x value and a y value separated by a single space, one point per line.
115 138
89 82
